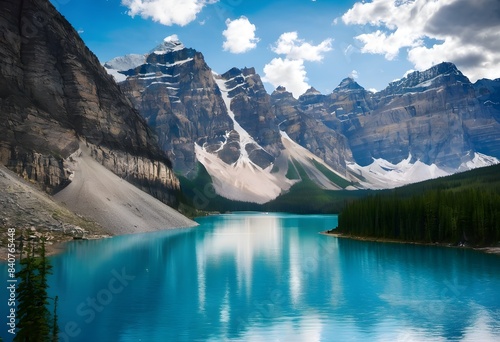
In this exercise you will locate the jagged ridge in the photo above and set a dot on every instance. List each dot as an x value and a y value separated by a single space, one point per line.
436 121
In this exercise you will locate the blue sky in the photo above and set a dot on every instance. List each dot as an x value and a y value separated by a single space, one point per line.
302 43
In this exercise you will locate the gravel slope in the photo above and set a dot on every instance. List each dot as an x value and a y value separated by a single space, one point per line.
118 206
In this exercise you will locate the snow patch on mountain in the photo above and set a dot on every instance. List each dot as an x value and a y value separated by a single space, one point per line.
182 61
242 180
169 44
381 174
245 137
479 160
300 154
123 63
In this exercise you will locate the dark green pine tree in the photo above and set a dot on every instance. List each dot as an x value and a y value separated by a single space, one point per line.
35 322
55 326
25 294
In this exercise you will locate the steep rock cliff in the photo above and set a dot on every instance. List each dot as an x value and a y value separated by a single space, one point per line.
302 124
176 93
54 93
435 115
435 119
251 106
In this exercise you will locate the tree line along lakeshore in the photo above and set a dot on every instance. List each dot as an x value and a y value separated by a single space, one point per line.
459 209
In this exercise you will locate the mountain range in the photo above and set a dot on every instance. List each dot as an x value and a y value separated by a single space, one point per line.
83 131
425 125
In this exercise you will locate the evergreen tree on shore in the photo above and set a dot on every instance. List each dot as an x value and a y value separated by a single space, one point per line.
462 216
55 327
33 314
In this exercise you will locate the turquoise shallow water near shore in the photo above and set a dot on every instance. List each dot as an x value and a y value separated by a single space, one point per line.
255 277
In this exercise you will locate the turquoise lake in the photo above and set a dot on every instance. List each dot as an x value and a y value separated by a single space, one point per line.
270 277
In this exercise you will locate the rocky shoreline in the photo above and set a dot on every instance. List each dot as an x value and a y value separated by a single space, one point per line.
489 250
33 214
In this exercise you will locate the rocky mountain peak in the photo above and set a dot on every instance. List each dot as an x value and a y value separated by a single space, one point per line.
347 84
251 107
311 96
169 44
232 73
312 91
119 65
243 81
122 66
442 69
126 62
281 94
248 71
280 89
176 92
440 74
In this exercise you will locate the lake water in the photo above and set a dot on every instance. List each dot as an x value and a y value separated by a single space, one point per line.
271 277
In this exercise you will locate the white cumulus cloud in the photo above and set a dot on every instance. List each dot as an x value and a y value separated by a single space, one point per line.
463 32
240 35
294 48
290 71
167 12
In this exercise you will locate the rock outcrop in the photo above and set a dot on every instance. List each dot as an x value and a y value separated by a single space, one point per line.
437 116
301 120
54 94
176 93
251 105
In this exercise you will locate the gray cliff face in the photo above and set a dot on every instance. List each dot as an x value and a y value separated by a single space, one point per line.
54 93
435 115
484 134
438 116
176 93
148 174
251 106
300 120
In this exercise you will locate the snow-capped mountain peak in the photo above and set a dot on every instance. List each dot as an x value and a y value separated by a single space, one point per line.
126 62
348 84
255 146
169 44
117 65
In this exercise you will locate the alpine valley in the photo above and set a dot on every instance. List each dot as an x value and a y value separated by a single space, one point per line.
167 123
255 146
146 145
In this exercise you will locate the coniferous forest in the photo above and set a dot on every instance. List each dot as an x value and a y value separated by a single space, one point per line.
459 209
